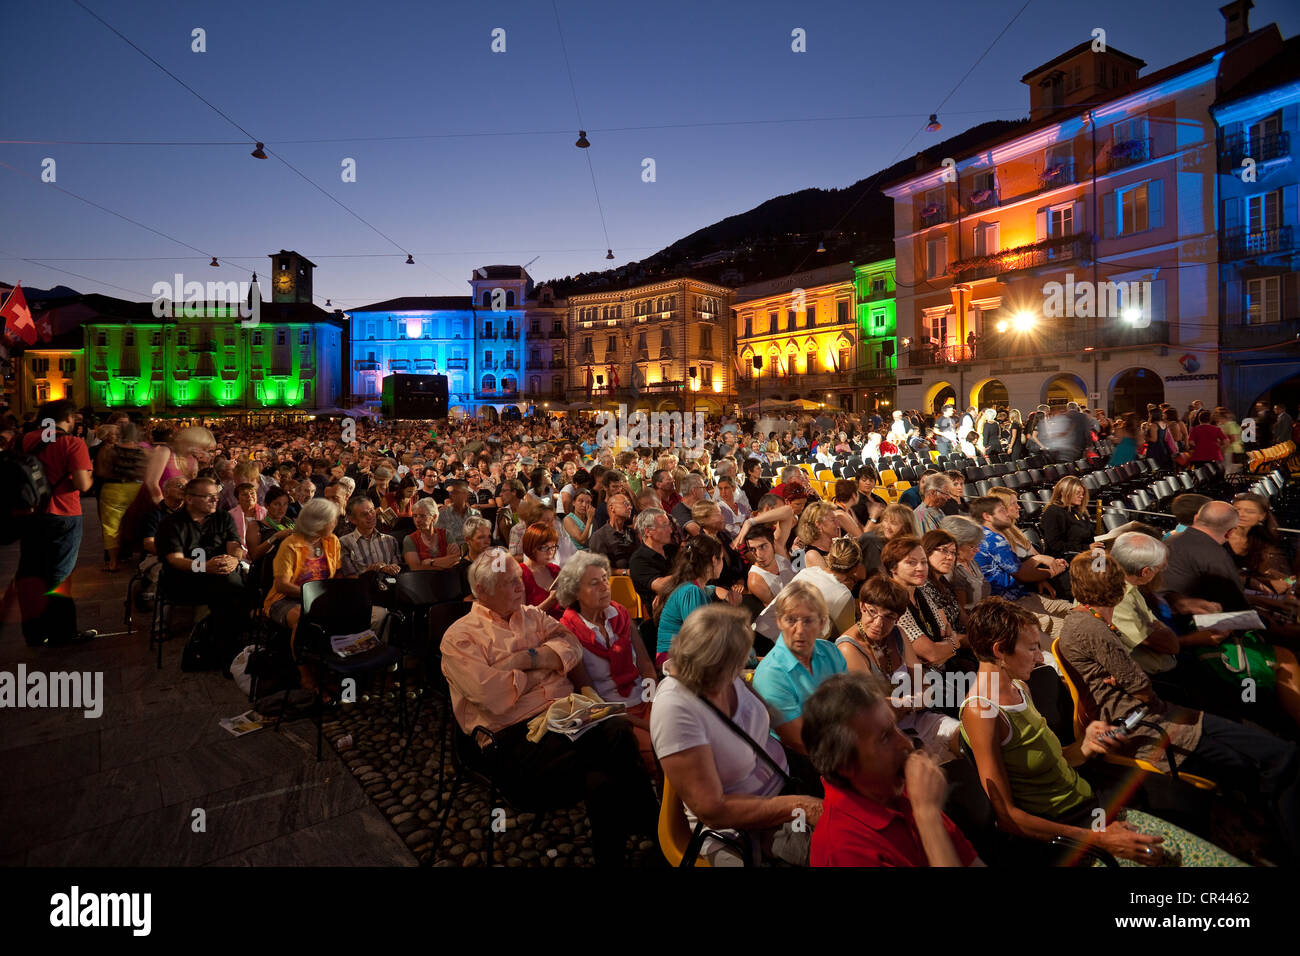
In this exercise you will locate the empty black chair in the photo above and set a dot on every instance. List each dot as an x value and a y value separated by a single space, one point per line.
1090 482
1045 495
341 606
1186 480
1034 538
1036 476
1113 519
1030 507
907 473
973 473
982 487
1051 474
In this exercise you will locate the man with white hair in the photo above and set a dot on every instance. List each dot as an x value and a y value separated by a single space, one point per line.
691 489
936 490
505 664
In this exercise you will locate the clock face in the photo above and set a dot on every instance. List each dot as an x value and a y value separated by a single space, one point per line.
284 282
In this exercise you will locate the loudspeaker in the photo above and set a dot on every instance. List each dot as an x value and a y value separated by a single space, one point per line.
414 396
758 361
887 348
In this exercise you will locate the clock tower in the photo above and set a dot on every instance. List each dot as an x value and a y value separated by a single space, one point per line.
290 277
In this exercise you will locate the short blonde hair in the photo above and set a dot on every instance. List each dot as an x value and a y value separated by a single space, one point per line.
808 532
711 648
193 438
425 506
802 593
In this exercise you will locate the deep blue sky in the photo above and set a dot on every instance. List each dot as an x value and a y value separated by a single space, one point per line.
336 69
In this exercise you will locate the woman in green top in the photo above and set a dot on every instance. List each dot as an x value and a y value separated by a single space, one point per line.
1029 778
698 562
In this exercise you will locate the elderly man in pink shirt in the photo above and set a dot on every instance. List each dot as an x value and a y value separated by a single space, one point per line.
505 663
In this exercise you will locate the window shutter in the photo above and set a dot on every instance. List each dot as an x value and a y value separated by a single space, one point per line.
1232 301
1040 224
1158 313
1155 203
1290 214
1108 215
1231 214
1077 216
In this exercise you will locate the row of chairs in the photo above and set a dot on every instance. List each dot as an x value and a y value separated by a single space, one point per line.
1282 452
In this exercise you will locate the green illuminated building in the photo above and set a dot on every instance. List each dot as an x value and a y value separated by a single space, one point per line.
874 291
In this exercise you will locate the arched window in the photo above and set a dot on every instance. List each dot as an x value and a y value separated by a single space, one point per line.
489 383
487 299
509 384
510 298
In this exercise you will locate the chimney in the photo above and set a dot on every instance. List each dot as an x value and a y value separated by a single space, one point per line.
1236 19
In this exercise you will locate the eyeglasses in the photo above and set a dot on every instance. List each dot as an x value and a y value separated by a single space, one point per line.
547 548
951 551
792 622
873 616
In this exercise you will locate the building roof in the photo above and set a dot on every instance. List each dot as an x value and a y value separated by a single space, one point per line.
420 303
1281 69
1085 46
290 252
500 272
1071 111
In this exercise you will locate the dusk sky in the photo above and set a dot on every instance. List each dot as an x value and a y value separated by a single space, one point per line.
334 71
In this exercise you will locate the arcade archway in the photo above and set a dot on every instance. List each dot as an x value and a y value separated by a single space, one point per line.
1133 389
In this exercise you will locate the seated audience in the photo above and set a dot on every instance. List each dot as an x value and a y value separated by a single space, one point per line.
1030 780
1065 524
540 570
769 572
505 664
924 624
615 539
367 549
836 582
699 561
967 579
311 553
1007 574
799 661
709 730
884 800
428 546
620 668
1115 686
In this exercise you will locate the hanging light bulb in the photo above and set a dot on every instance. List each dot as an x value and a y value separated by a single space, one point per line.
934 125
214 263
609 253
258 153
410 259
821 247
327 303
582 142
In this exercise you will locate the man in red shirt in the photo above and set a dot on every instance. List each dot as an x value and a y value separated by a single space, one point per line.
884 800
51 539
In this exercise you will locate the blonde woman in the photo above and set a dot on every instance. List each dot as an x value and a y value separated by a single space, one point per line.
1065 524
819 525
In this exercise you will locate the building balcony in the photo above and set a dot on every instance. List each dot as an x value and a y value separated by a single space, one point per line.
557 363
555 334
1128 152
1057 174
1014 345
876 295
1049 252
982 199
1241 243
488 334
874 377
365 365
923 355
458 365
535 364
423 365
933 216
1245 334
510 364
1262 149
399 365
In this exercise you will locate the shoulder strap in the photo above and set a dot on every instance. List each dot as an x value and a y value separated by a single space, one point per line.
760 751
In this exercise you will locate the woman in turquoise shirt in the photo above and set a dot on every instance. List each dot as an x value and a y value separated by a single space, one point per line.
799 661
698 562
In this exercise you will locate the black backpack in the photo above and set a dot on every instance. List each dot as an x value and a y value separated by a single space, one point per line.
24 490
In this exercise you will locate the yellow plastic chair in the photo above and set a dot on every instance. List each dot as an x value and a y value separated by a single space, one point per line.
674 828
623 591
1082 717
826 476
808 469
888 477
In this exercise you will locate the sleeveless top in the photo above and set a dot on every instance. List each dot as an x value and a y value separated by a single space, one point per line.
1042 782
895 638
128 464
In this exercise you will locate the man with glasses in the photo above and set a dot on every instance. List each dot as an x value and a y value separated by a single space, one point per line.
451 517
936 491
651 564
200 550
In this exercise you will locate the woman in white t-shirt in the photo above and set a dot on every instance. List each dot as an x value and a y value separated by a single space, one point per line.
718 774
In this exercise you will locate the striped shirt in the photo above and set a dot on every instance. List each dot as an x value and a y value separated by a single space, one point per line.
360 553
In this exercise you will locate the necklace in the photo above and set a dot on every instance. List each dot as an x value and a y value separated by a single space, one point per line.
1088 607
878 651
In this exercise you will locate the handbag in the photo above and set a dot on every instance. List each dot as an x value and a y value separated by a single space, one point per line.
1241 656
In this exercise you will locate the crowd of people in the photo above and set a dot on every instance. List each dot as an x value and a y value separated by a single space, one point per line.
776 638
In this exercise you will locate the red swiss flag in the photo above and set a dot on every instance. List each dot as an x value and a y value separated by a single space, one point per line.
18 317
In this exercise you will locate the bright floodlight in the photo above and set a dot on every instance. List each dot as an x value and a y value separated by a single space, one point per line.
1022 321
1001 326
1132 314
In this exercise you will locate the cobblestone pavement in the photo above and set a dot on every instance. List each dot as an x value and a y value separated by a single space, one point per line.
408 792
